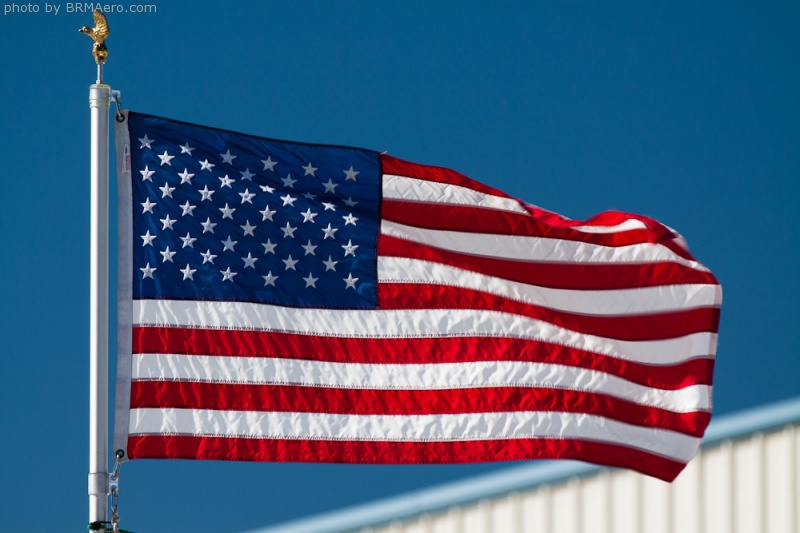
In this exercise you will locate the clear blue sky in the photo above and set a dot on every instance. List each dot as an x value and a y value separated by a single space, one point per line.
688 113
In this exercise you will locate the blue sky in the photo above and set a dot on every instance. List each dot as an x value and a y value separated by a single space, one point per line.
688 113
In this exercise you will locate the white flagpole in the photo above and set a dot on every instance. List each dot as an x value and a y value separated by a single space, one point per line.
99 103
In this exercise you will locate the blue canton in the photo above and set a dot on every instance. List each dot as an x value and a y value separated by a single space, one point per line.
226 216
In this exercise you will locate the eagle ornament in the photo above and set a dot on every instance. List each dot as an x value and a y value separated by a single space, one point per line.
98 34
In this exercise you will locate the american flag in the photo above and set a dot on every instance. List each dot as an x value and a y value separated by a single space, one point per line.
284 301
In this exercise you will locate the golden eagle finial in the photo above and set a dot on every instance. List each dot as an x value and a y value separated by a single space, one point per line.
98 34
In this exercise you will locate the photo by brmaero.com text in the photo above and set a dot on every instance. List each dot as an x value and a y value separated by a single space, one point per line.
75 7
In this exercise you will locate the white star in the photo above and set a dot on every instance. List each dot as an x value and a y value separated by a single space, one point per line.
166 158
247 175
248 229
227 274
330 264
309 169
267 214
187 209
205 165
208 226
330 185
188 273
166 190
309 196
288 200
147 271
267 188
329 232
269 279
167 223
350 202
329 206
146 142
349 248
208 257
148 206
186 149
147 174
247 196
309 248
249 261
269 164
308 216
350 219
227 157
229 244
269 247
289 262
188 241
206 192
288 231
351 174
226 181
167 255
186 176
350 282
311 281
227 212
288 181
147 239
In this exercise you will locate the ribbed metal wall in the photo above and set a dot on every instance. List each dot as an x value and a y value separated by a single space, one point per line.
748 485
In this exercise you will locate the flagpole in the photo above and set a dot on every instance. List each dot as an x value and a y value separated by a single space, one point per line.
99 104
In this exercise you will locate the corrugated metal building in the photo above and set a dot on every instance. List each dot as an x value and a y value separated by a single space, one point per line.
746 479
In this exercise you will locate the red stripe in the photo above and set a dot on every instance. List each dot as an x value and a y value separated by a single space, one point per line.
666 236
291 398
378 452
606 218
448 217
575 276
398 167
654 326
196 341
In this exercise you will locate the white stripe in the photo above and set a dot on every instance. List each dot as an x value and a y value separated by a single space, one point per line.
413 323
417 190
411 428
539 249
272 371
628 225
615 302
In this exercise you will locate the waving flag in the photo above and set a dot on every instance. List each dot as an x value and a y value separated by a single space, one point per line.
295 302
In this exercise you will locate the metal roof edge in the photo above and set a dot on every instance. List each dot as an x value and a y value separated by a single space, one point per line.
525 476
761 418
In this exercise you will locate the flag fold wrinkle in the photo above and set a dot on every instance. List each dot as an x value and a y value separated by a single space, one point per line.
285 301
